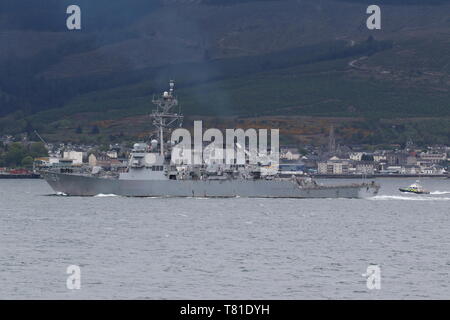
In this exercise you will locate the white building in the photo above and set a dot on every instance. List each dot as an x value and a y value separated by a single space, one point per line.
393 169
112 154
53 160
356 156
334 166
75 156
410 169
378 157
365 167
433 157
289 154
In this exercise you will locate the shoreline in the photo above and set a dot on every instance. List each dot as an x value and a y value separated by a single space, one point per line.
359 176
20 176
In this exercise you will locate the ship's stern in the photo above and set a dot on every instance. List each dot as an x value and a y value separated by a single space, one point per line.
368 190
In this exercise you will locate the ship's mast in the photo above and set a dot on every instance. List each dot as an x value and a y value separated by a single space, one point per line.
164 116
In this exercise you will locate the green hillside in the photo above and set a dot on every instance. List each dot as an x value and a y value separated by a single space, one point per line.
244 59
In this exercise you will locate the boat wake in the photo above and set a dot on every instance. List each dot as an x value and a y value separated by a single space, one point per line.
440 192
412 198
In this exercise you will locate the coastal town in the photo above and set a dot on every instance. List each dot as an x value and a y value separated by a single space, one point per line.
20 158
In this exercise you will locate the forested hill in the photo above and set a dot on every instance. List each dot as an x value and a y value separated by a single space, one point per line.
234 57
45 15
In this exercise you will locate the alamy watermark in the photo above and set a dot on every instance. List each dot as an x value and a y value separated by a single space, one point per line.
374 21
73 281
239 147
373 275
73 22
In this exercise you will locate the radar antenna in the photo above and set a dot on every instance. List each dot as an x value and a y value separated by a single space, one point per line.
164 117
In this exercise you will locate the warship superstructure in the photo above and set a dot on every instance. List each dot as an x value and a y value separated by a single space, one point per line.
152 173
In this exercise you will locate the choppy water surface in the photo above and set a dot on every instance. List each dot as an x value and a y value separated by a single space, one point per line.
155 248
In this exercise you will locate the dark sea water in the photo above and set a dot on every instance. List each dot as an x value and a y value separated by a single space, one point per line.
155 248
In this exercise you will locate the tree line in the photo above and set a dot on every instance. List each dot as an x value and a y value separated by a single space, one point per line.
16 154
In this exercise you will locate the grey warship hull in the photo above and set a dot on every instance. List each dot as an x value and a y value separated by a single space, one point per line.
83 185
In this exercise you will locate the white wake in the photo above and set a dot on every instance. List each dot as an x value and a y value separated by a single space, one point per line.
412 198
440 192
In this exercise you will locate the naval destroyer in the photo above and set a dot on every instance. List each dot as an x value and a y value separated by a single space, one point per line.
151 173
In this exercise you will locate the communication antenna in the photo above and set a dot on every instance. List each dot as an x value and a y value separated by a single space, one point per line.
164 119
172 85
